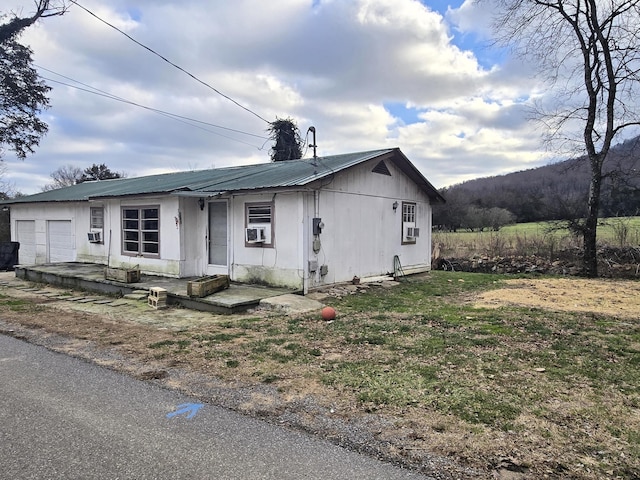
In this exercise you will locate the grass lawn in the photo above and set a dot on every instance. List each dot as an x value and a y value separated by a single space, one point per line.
544 393
555 393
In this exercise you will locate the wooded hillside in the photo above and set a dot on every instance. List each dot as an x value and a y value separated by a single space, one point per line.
553 192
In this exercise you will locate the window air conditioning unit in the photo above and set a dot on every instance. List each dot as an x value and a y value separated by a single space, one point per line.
413 232
256 235
95 236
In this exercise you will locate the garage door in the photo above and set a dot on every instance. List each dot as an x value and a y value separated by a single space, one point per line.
26 236
60 241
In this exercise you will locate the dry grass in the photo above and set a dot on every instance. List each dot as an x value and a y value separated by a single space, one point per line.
543 239
532 390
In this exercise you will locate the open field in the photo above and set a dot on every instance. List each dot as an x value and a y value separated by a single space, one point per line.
527 377
609 230
540 238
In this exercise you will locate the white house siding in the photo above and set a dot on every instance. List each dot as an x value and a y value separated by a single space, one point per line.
279 265
88 252
170 260
362 233
55 233
194 234
60 234
360 237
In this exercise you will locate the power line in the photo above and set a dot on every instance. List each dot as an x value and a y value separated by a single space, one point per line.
173 116
166 114
115 97
170 62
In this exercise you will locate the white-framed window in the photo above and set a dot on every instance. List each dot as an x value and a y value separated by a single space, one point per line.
97 218
259 224
96 225
141 231
409 229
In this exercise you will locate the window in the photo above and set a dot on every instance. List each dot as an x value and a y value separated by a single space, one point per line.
408 213
97 217
258 214
409 230
141 231
259 224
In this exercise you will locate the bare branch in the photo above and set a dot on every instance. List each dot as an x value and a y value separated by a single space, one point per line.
44 9
589 50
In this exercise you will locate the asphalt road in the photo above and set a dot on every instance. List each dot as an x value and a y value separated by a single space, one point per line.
63 418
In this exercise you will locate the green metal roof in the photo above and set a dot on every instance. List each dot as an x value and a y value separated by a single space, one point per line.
264 176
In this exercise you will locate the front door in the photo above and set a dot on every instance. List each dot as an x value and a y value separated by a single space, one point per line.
218 234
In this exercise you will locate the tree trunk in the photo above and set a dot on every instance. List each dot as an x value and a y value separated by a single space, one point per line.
590 257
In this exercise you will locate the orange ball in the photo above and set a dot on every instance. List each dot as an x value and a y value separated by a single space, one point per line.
328 313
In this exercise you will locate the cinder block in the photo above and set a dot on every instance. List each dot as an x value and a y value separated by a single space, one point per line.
158 292
156 302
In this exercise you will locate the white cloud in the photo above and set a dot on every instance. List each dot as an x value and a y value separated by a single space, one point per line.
331 64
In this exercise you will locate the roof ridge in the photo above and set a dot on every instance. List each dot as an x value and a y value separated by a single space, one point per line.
258 176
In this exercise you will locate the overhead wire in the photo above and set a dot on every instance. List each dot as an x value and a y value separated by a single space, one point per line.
170 62
180 118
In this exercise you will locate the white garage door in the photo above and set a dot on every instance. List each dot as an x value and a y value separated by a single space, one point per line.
60 241
26 236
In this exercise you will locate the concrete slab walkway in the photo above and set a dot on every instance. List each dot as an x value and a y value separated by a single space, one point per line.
90 277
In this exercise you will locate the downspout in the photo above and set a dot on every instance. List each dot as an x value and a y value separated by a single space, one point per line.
305 241
308 236
231 221
316 225
109 251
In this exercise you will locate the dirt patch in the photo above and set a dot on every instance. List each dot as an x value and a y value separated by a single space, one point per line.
607 297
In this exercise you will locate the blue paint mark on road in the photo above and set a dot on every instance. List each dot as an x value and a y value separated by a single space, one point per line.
190 408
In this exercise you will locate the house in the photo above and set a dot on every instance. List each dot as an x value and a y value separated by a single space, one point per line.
299 224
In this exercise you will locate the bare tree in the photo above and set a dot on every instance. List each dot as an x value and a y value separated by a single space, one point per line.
64 176
7 189
43 9
68 175
590 52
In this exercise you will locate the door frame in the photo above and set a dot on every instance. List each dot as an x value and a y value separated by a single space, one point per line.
213 269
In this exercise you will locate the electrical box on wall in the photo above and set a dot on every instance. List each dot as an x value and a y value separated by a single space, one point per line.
317 226
313 265
324 269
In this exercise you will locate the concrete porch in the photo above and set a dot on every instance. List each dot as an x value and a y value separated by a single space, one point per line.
90 277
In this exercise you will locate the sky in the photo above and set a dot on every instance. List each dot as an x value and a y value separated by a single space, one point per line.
367 74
